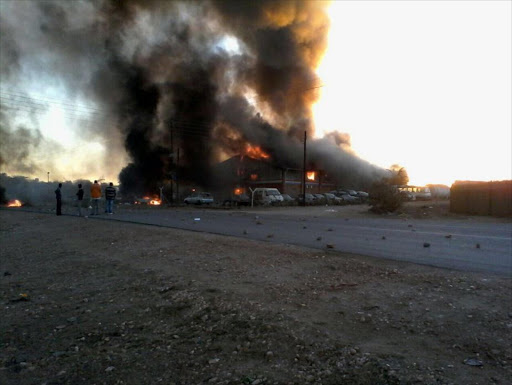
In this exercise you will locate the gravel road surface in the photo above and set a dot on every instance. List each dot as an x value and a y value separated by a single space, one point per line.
451 243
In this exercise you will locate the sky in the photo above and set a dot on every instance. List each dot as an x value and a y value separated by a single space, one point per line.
423 84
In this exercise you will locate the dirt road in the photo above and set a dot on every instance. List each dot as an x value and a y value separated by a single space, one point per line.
99 302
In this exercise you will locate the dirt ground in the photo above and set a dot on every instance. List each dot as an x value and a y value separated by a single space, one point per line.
101 302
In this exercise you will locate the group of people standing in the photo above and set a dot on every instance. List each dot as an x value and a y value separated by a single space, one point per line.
110 196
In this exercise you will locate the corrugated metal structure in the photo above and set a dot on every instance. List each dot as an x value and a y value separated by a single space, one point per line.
482 198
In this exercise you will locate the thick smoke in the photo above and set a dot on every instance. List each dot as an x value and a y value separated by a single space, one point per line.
18 146
168 75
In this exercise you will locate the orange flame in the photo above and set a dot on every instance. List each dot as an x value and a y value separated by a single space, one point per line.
310 175
255 152
14 203
150 201
239 191
153 201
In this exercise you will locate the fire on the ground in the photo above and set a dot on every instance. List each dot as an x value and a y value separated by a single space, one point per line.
155 201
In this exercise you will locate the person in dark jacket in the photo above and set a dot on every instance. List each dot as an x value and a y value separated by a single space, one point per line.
58 196
80 199
110 195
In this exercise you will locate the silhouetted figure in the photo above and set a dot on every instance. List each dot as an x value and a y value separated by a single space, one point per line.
80 199
110 195
58 196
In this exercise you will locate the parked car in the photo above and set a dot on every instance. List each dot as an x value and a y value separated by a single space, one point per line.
238 200
333 199
199 198
354 194
363 196
267 196
338 193
288 200
310 199
347 198
320 199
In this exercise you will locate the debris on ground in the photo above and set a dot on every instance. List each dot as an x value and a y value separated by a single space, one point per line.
269 313
23 297
473 362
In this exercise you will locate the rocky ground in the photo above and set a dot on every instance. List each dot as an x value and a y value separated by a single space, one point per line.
86 301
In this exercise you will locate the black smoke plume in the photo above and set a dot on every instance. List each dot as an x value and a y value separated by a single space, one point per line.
166 72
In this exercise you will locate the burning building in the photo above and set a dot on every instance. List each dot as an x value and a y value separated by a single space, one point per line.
239 174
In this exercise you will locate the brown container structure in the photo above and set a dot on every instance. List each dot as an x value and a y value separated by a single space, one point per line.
482 198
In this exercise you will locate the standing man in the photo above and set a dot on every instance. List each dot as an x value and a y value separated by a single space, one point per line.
58 196
110 195
95 197
80 198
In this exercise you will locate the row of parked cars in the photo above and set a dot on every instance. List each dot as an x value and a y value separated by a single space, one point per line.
338 197
272 196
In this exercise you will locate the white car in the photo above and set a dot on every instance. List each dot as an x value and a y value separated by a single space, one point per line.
199 198
267 196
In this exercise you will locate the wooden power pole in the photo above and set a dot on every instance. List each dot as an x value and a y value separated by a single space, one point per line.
304 172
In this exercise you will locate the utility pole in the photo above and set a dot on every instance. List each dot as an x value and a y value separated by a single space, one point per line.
177 179
304 172
172 162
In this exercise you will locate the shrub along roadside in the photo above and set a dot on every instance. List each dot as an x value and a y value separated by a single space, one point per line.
384 198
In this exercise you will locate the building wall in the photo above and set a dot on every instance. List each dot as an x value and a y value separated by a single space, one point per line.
482 198
246 173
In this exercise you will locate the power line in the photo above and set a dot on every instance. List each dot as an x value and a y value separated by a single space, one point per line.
44 104
46 100
31 105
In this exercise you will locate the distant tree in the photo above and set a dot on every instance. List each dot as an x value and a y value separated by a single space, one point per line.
399 175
